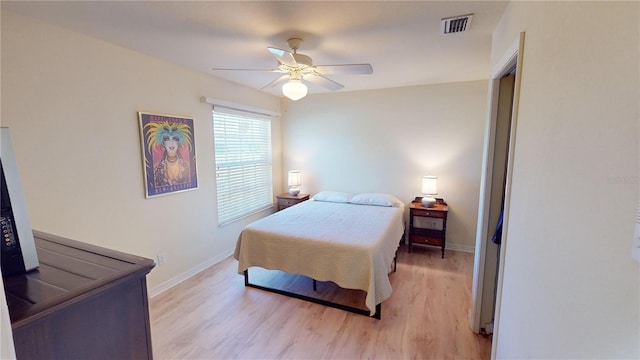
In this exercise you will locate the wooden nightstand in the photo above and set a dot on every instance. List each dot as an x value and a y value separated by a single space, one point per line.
285 200
428 226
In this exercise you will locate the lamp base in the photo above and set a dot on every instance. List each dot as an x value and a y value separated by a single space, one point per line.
293 191
428 201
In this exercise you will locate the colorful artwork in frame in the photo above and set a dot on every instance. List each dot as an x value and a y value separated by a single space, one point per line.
168 153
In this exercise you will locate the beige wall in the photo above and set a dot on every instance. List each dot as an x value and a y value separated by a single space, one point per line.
71 102
386 140
571 287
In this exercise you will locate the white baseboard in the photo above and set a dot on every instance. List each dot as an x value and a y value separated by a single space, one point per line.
454 247
463 248
159 289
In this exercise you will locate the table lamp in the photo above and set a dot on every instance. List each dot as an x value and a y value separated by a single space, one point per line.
429 188
294 182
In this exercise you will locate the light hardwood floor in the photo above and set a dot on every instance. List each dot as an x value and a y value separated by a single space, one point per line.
214 316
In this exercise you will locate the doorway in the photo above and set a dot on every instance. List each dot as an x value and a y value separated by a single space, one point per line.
495 200
495 190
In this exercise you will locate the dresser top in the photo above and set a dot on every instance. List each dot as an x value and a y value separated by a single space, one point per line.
68 269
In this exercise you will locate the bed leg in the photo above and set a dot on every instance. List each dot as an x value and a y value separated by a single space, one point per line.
314 285
377 315
395 261
246 277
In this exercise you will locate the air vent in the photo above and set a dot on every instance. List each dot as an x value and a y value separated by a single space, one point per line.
456 24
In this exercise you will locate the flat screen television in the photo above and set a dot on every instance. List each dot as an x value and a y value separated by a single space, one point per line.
17 245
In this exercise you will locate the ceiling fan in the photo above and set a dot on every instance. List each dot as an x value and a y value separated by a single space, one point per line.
298 67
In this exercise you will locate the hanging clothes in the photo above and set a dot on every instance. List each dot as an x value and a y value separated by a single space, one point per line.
497 235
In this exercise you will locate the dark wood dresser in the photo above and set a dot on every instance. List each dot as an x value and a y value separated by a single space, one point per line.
83 302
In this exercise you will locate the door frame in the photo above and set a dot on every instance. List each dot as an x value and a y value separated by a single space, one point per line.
511 58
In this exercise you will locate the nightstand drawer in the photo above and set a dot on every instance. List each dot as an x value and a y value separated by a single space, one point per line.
287 202
421 239
429 213
433 223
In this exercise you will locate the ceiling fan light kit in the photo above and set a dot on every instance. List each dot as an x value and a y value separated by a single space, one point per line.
294 89
299 68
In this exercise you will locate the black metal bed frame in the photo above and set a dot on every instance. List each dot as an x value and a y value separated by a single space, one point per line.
321 301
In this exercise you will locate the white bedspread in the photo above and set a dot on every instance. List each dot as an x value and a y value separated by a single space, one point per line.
351 245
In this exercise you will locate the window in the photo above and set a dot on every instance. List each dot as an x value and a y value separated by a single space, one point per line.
243 163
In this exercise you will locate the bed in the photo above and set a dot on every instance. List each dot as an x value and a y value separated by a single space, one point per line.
349 240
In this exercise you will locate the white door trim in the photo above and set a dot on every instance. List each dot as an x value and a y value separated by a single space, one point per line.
512 57
507 192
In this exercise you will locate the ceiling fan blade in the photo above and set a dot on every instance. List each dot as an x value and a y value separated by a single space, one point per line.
278 81
283 56
345 69
227 69
323 81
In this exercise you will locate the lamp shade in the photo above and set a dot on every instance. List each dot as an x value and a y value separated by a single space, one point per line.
294 89
294 178
430 185
429 188
294 182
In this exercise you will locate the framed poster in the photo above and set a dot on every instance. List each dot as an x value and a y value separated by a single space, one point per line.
168 154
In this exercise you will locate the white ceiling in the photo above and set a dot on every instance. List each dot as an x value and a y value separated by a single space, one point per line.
402 40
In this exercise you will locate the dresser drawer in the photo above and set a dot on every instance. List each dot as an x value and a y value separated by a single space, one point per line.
429 213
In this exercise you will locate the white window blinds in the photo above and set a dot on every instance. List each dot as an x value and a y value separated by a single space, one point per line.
243 163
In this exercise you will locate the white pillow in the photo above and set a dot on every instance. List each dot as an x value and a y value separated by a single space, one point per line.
333 196
376 199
